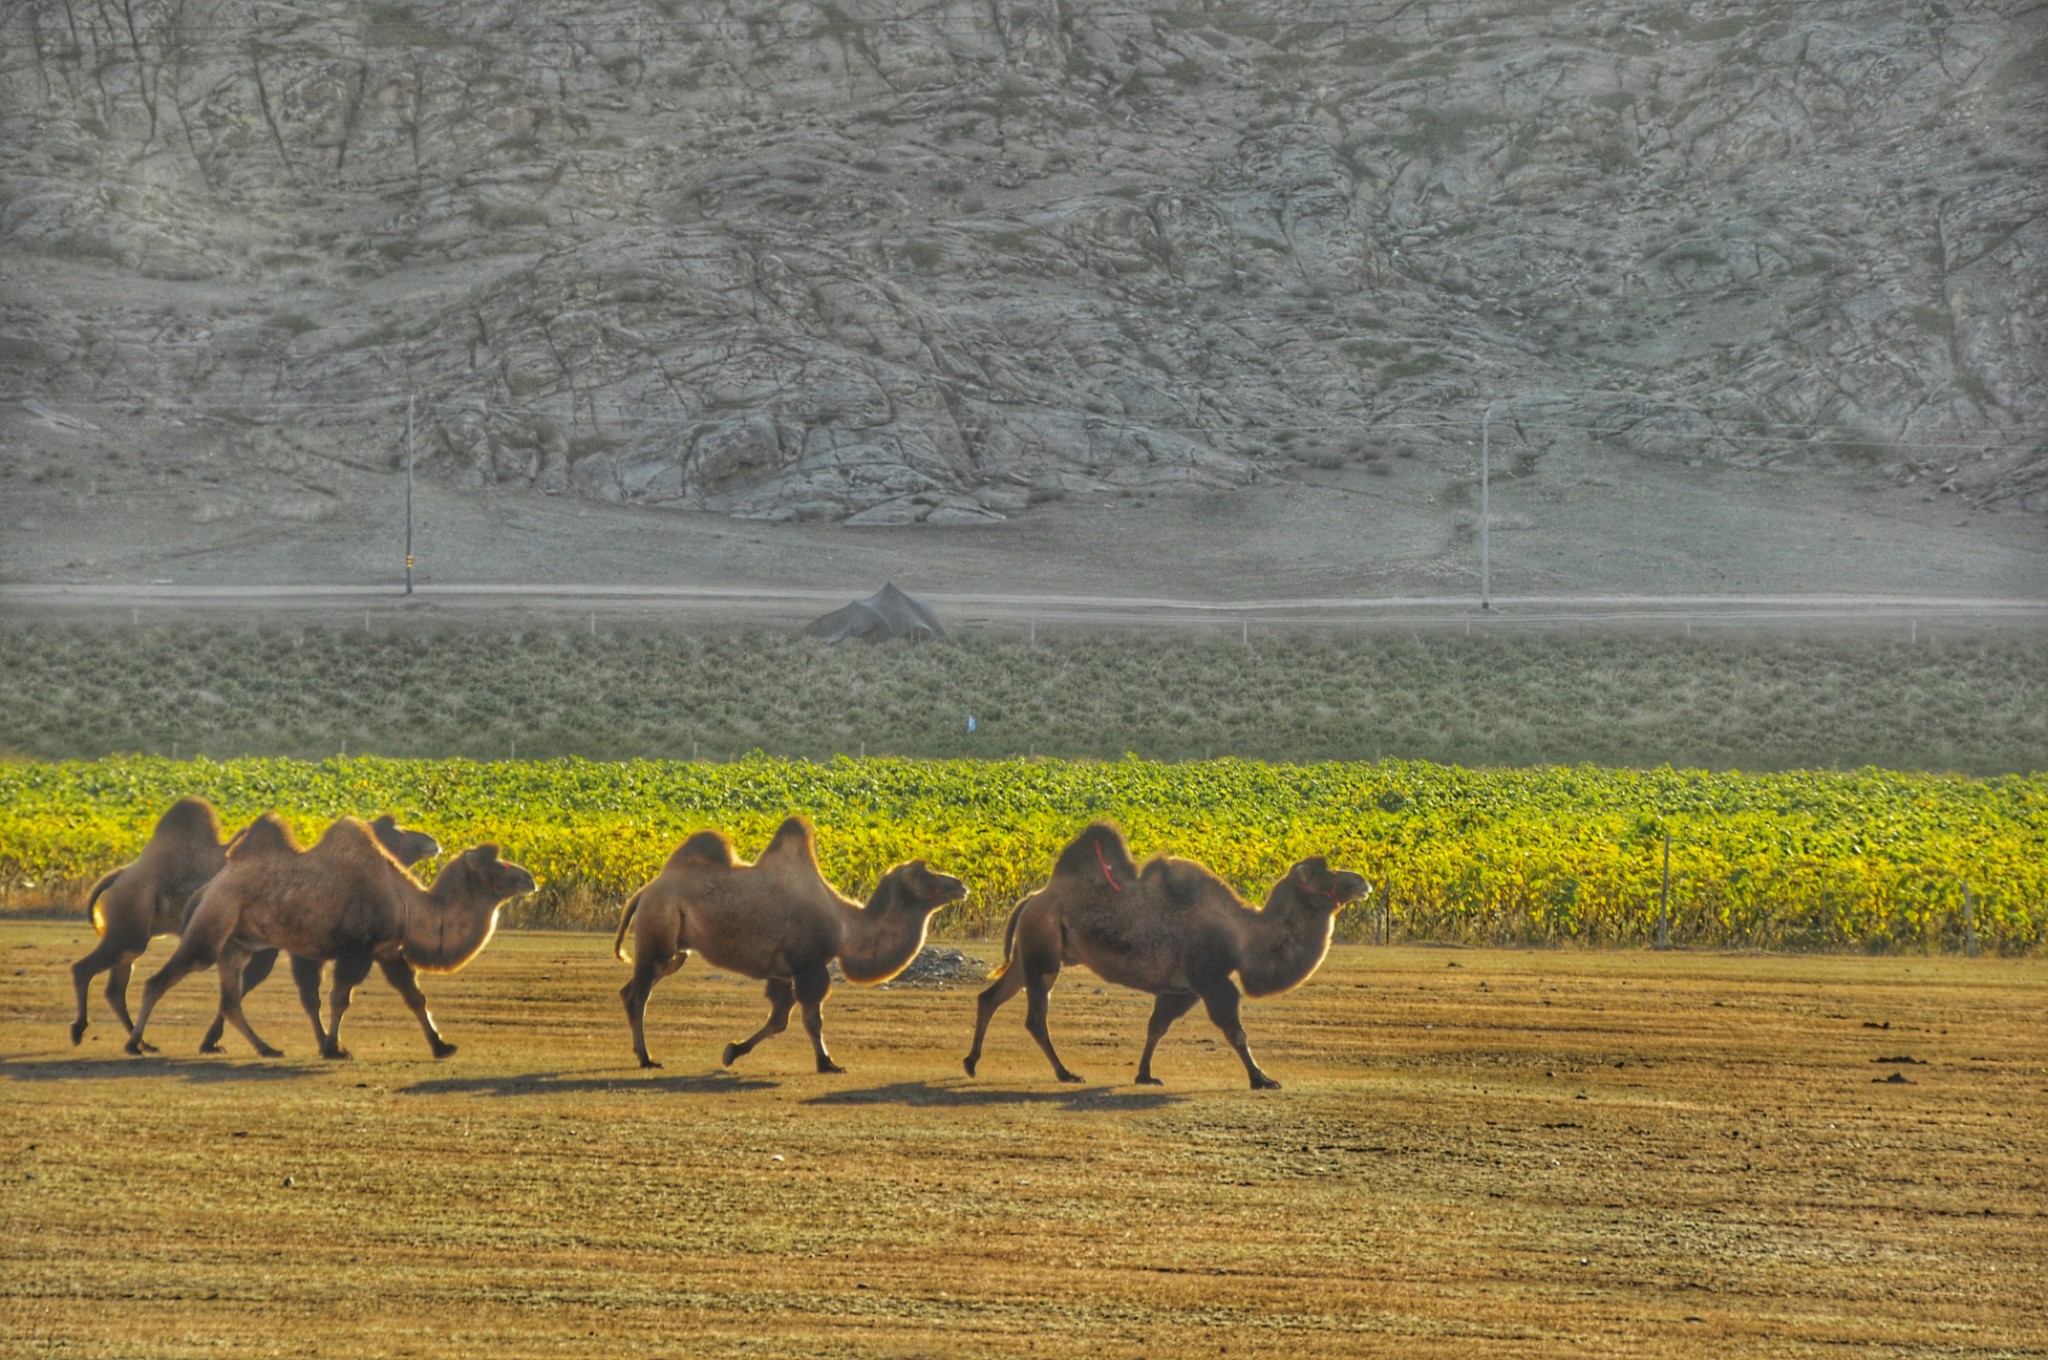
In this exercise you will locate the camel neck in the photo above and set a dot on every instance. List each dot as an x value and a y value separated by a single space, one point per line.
444 927
1286 945
880 940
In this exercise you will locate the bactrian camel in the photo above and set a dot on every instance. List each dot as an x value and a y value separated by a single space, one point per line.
1172 929
775 919
345 900
155 893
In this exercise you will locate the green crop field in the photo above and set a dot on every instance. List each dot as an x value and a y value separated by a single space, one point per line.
1974 706
1863 860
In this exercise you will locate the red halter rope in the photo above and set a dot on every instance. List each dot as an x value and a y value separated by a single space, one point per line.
1108 877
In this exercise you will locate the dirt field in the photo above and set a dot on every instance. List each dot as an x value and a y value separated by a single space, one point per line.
1476 1153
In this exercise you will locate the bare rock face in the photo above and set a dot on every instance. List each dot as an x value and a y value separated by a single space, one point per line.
856 263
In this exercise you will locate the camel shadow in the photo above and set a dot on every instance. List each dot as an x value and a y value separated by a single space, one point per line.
577 1083
937 1096
194 1071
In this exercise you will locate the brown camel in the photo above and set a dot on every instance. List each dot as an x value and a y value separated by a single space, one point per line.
155 894
346 899
1172 929
269 834
775 919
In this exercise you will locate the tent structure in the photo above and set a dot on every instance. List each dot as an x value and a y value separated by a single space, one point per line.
888 613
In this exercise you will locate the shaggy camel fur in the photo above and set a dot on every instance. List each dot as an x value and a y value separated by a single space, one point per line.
407 847
776 919
347 900
155 894
147 898
1172 929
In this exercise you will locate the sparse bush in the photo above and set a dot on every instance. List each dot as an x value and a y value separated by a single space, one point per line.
78 692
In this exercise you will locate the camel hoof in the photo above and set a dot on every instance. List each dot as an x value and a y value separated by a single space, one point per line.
444 1050
970 1064
135 1048
827 1068
337 1054
732 1051
1146 1079
646 1062
1071 1077
1262 1082
266 1051
211 1048
77 1033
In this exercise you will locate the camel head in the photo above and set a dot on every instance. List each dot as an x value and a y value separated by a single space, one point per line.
491 878
1318 887
916 886
883 938
407 847
461 909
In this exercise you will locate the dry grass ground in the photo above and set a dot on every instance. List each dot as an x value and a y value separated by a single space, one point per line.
1477 1153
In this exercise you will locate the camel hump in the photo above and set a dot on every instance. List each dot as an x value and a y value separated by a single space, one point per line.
1099 852
704 848
352 837
791 842
793 834
267 835
189 819
1178 882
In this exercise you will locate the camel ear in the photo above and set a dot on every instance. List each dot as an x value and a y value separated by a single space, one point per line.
1312 869
486 853
385 823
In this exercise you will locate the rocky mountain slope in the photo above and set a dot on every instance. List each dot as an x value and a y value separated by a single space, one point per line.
885 263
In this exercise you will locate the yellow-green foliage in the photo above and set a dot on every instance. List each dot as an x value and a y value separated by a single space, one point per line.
1870 859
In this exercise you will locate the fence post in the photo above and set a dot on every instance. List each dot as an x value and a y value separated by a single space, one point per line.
1664 900
1969 922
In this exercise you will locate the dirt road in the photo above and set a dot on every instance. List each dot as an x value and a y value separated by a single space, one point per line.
714 604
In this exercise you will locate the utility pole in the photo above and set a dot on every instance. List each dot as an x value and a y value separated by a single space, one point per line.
1485 515
408 493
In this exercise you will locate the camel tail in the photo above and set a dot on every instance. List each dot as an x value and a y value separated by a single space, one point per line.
1009 939
619 941
92 904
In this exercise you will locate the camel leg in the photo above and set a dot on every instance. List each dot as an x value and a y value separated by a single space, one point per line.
1222 998
198 949
230 967
258 968
349 969
400 975
781 994
117 989
306 977
813 985
648 969
1037 998
985 1006
108 955
1170 1007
